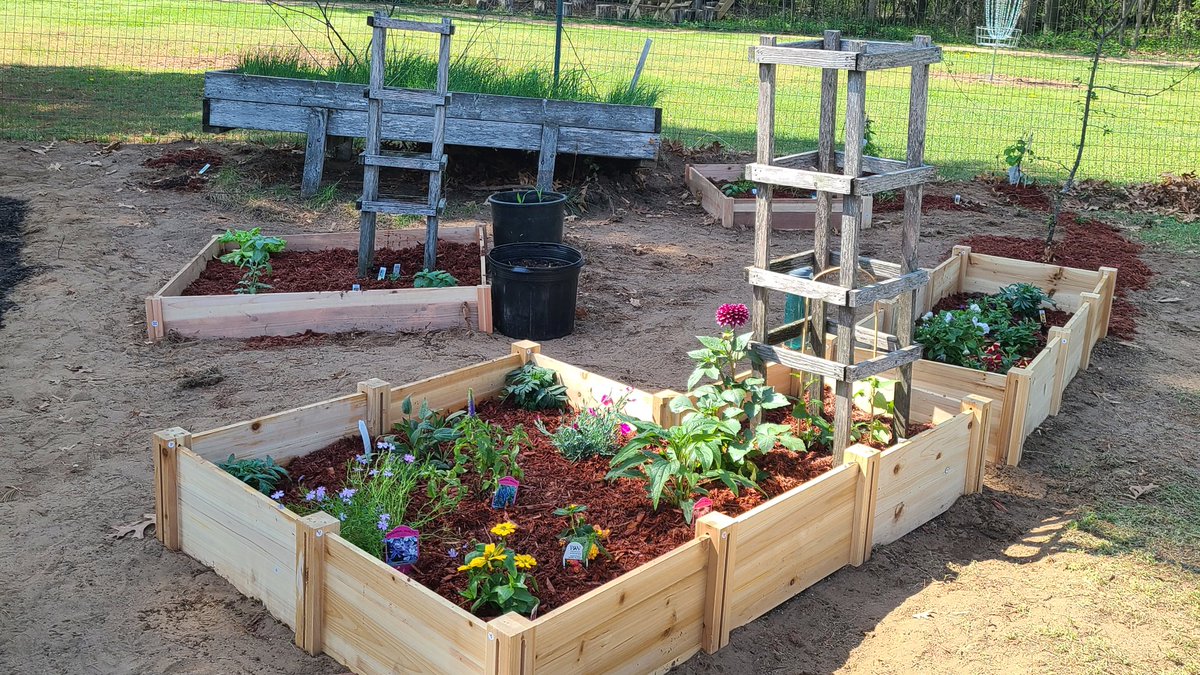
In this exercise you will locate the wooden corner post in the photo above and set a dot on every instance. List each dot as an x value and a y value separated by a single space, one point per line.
1063 337
379 403
1109 275
963 253
980 424
764 154
823 219
721 531
663 415
918 99
165 445
310 579
509 646
526 349
865 497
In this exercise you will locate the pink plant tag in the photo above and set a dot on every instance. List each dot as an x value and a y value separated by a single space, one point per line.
702 507
401 547
506 493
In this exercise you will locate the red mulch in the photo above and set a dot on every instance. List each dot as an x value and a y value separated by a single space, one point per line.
1032 197
928 203
1087 244
639 534
336 270
191 160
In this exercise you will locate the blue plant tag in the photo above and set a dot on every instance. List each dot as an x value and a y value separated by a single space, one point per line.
401 548
396 270
382 274
366 437
506 493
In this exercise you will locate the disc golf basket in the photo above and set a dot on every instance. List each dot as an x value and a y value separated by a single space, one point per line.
856 177
1000 28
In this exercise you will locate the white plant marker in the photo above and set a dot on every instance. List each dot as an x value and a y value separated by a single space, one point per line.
366 437
382 274
396 270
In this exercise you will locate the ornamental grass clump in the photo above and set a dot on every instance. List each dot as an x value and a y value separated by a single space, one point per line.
499 579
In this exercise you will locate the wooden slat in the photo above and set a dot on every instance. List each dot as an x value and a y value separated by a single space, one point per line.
894 180
310 579
764 151
800 178
880 269
401 208
883 363
284 435
787 263
547 154
380 621
1041 386
640 622
165 448
314 152
905 58
585 389
721 532
448 391
1063 337
417 97
787 283
381 20
814 58
1077 345
886 290
383 239
800 361
921 478
193 269
416 161
866 492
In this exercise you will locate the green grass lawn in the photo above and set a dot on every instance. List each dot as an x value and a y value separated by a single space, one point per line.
132 69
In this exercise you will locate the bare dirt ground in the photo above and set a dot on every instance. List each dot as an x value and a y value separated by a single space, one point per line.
1005 582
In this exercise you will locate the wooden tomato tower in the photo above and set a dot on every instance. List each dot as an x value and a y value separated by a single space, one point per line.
856 177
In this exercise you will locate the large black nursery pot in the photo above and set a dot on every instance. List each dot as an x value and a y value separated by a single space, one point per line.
527 215
534 288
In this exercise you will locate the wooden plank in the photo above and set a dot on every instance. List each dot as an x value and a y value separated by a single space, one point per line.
888 289
814 58
510 645
800 361
379 401
1041 386
988 274
382 20
238 532
791 542
1077 345
165 446
310 579
1108 277
155 329
383 239
894 180
546 157
981 419
414 97
831 293
800 178
284 435
720 530
585 389
900 58
943 281
459 130
397 310
921 478
483 301
314 152
1095 304
639 622
880 269
1063 337
866 490
448 391
787 263
880 364
764 148
1016 409
193 269
380 621
416 161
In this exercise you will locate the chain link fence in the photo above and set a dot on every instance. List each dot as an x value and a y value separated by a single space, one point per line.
134 68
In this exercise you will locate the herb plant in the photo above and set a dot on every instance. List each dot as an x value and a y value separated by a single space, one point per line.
434 279
498 577
424 434
955 336
590 537
253 254
535 388
738 188
261 474
489 450
878 405
1025 300
592 433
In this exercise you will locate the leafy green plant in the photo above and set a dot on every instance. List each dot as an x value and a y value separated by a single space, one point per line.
676 462
261 474
1015 155
815 430
253 247
424 434
489 450
498 577
1025 300
878 405
534 388
251 282
590 537
591 433
955 336
738 188
434 279
869 147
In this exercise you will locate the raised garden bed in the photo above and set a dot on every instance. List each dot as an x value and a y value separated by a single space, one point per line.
791 212
1024 396
321 109
373 619
192 305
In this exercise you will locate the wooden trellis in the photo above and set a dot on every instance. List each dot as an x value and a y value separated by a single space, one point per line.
856 177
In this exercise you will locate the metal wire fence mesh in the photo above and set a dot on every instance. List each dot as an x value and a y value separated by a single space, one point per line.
134 68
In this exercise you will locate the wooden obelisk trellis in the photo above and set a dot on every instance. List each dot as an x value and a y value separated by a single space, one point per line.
856 177
374 158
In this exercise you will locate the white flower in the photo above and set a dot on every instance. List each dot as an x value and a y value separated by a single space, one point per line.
974 307
928 316
947 317
986 328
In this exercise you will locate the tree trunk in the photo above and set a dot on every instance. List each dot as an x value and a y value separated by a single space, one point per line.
1137 24
872 10
1050 16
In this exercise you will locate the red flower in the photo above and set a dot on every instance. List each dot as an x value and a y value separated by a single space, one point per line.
732 316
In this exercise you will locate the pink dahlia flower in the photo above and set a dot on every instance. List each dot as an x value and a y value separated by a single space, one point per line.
732 316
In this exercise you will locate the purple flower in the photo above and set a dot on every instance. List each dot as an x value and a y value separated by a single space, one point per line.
606 400
384 519
320 493
453 553
342 517
732 315
373 473
347 494
362 459
626 428
387 473
470 403
277 495
410 458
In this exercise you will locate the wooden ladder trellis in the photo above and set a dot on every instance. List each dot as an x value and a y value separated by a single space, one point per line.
856 177
374 157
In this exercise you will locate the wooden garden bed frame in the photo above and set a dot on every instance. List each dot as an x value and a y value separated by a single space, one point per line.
790 213
1024 397
350 605
234 100
395 310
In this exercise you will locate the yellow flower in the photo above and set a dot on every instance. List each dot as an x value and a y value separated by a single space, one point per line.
603 532
489 551
475 563
525 562
593 552
504 529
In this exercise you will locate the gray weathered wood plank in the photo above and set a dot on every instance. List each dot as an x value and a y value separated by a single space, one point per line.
884 363
813 58
800 361
314 152
890 288
831 293
799 178
900 59
894 180
382 20
764 152
547 155
826 160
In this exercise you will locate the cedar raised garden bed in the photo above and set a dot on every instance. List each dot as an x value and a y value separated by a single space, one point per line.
1024 396
373 619
790 212
325 311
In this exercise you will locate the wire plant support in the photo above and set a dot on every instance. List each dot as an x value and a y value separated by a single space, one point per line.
856 177
999 29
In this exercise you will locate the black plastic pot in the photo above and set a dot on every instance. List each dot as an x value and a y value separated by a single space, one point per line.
527 215
534 288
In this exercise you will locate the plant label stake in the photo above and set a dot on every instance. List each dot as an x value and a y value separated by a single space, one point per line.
382 274
702 507
356 287
506 493
573 551
401 547
366 437
396 270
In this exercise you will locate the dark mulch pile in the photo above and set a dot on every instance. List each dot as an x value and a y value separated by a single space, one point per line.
1032 197
1086 244
928 203
639 534
183 167
12 236
336 270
